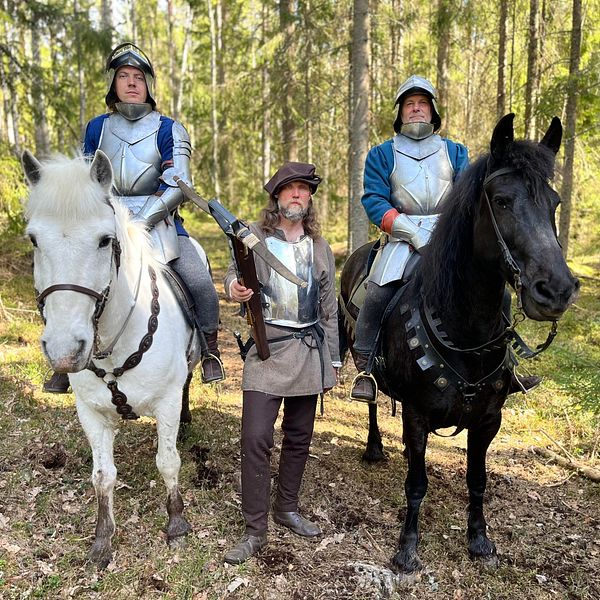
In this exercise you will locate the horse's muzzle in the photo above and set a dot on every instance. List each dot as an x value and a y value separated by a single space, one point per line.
547 300
67 362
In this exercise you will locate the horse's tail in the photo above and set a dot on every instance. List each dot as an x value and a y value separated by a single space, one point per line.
343 336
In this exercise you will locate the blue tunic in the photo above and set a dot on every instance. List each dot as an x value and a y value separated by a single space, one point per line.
378 168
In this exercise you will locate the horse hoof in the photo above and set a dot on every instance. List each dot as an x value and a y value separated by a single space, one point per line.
374 455
406 562
177 530
490 563
100 556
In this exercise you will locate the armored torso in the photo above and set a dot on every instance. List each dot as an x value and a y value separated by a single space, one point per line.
284 302
133 151
422 174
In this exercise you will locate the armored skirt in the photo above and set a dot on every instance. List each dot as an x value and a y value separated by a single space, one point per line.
296 366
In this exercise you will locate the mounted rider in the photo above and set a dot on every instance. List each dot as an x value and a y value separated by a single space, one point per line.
406 180
147 150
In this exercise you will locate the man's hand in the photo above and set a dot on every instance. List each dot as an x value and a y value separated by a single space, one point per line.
239 293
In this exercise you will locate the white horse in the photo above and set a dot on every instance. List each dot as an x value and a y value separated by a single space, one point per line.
111 322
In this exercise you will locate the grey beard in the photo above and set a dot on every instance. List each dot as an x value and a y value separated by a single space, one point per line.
293 214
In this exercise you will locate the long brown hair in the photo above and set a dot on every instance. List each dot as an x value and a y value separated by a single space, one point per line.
269 218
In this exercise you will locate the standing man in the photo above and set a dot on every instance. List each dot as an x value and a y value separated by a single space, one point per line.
405 182
146 150
301 326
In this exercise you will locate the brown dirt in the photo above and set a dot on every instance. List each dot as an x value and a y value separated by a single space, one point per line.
544 520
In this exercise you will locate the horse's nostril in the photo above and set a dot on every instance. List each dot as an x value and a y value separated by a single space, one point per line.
542 290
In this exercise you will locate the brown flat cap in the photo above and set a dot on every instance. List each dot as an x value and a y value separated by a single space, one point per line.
293 171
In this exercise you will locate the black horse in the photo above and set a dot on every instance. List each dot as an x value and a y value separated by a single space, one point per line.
445 344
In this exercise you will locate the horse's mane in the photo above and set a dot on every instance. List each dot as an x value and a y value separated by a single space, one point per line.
452 241
66 192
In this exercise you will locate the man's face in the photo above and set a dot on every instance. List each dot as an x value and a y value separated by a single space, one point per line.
293 199
416 109
130 85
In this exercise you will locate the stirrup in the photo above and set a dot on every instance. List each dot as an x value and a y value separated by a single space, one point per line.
363 375
219 376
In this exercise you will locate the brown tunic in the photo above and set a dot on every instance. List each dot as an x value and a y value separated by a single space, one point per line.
294 368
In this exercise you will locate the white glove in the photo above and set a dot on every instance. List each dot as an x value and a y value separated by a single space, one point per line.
414 229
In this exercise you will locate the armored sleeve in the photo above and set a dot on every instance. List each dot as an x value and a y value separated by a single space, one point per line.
176 151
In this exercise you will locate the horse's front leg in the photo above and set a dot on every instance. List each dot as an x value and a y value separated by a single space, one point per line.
374 451
480 546
415 436
168 463
101 434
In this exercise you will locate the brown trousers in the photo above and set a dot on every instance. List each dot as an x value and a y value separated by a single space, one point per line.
258 419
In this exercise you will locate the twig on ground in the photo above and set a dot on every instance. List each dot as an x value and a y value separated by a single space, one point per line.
372 540
589 472
564 450
561 482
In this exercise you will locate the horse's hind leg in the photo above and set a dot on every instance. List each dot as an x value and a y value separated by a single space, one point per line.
374 451
406 558
168 463
101 436
478 442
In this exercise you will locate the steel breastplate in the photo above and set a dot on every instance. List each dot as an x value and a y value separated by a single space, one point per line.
422 174
132 149
284 303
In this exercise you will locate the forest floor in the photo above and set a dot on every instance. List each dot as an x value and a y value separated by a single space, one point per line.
544 519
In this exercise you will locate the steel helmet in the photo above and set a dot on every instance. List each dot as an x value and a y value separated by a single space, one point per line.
128 54
417 85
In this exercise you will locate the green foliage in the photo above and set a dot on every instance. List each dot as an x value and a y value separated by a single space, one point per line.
12 192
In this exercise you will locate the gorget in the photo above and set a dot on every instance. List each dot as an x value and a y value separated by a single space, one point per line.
422 174
285 303
132 149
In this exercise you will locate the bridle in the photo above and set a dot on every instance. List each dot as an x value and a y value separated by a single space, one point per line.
519 316
101 297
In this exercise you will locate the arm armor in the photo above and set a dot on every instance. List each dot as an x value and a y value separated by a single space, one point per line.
414 229
159 207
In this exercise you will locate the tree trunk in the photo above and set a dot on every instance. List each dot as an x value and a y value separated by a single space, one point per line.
570 127
288 87
107 20
42 140
358 222
443 33
173 70
184 59
213 95
266 103
532 84
502 35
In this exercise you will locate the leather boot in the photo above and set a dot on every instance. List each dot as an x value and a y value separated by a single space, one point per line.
245 548
364 386
296 523
58 383
212 367
523 383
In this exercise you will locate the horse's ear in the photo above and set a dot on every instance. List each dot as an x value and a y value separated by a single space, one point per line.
101 170
553 137
32 167
503 136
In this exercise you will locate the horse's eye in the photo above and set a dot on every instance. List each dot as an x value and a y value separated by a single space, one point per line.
33 241
105 241
502 201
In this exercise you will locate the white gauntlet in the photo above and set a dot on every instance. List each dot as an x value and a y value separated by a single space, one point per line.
414 229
